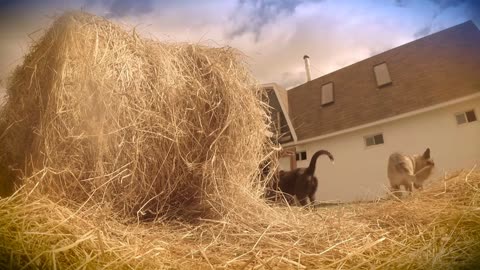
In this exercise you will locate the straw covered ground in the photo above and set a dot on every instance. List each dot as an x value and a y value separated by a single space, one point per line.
434 229
133 154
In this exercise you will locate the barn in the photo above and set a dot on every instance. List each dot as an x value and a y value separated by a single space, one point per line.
425 93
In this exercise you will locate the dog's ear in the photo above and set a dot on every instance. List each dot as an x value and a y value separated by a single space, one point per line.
426 154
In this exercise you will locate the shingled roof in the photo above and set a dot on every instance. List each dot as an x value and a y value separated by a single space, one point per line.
428 71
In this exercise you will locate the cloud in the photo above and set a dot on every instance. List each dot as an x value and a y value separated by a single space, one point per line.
472 7
334 35
448 10
293 78
9 8
401 3
252 15
121 8
423 31
13 5
273 34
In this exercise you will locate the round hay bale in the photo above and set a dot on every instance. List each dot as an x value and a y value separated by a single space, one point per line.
97 114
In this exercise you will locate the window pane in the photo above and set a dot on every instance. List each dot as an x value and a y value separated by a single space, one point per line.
297 156
461 118
471 116
378 139
327 93
382 75
369 141
304 155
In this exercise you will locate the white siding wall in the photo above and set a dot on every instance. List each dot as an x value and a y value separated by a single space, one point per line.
284 163
359 173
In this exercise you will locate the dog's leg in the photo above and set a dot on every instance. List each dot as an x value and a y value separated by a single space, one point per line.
395 189
408 187
409 183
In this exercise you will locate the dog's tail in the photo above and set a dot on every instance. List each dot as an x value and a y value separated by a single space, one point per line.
311 168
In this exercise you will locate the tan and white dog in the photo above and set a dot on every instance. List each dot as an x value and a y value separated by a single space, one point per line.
404 170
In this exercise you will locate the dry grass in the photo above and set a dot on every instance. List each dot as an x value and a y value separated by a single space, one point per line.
438 228
107 129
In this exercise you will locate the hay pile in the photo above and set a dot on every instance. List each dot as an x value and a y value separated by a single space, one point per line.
99 115
435 229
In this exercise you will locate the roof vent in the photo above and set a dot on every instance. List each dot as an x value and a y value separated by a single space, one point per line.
307 67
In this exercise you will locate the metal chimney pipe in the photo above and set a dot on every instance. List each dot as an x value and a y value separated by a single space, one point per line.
307 67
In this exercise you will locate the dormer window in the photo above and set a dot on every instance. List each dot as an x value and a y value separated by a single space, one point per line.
382 75
327 94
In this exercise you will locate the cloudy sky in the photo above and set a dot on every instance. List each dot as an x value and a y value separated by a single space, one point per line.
273 34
